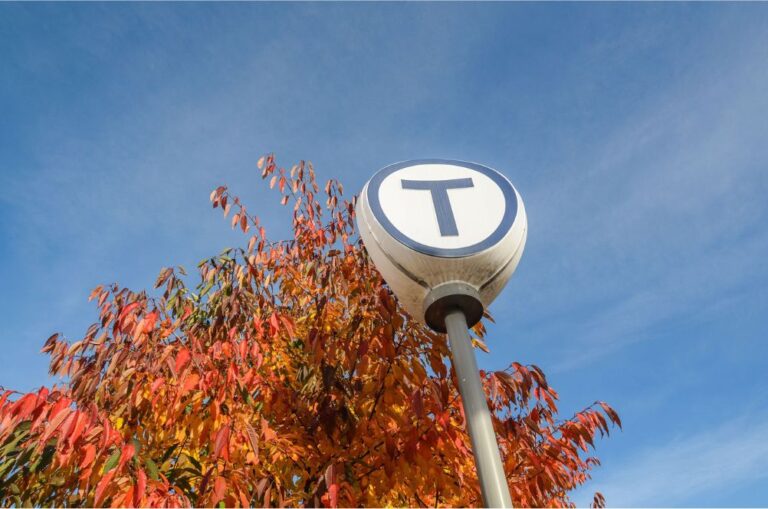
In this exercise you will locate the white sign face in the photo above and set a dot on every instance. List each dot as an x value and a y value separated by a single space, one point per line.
443 208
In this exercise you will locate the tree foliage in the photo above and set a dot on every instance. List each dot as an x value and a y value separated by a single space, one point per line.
287 376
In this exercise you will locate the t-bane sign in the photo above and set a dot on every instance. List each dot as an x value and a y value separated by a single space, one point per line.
443 233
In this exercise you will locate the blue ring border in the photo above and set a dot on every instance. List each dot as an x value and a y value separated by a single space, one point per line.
510 208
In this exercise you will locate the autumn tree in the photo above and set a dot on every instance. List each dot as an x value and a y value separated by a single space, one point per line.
286 376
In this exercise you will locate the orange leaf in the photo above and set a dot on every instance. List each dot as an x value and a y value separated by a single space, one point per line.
190 382
288 325
267 432
88 456
149 321
253 439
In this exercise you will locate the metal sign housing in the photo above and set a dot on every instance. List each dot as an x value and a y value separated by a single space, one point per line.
442 229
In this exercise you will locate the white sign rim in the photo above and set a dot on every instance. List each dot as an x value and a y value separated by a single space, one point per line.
508 219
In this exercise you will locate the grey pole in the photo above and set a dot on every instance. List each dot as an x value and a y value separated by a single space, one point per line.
493 482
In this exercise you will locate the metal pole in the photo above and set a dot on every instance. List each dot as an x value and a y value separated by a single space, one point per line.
493 482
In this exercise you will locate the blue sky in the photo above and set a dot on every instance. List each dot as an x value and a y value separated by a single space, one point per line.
636 134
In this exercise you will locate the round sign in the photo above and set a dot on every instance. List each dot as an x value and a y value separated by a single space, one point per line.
442 233
453 208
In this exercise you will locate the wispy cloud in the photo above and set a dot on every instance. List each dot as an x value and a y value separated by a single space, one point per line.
686 468
690 292
666 218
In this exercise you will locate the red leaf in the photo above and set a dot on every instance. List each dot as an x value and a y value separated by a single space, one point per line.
25 405
333 494
333 486
78 428
126 455
157 383
69 425
219 489
96 291
127 309
611 413
4 397
204 482
50 343
268 497
243 499
101 488
273 321
288 324
221 445
54 424
418 405
163 276
141 485
125 499
182 358
61 404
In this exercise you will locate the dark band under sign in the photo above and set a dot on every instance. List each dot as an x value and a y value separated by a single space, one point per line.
439 191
